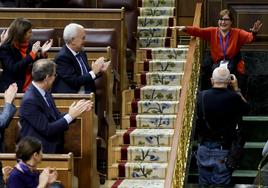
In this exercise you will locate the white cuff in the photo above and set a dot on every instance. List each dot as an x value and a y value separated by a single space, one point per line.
68 118
92 75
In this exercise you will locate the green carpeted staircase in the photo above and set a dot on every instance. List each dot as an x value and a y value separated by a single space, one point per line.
139 152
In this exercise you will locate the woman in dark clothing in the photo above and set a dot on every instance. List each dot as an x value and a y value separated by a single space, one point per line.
25 174
17 55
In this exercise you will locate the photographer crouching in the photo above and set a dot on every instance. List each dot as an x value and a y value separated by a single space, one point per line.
219 110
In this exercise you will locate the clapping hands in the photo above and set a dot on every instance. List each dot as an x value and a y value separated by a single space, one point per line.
46 46
100 65
10 93
47 177
77 108
4 35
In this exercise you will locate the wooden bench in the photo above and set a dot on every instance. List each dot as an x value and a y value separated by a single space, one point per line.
63 163
90 18
80 139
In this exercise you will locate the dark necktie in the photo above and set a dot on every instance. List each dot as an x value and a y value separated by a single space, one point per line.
82 64
50 105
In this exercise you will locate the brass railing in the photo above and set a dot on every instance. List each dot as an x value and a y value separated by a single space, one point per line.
179 153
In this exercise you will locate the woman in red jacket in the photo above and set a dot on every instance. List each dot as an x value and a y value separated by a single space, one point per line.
17 54
225 42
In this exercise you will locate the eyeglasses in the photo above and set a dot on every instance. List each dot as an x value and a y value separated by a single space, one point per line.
224 19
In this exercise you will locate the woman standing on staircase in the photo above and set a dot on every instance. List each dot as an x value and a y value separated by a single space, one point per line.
225 44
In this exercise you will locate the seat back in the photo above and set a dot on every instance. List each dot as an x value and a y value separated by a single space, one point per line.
42 35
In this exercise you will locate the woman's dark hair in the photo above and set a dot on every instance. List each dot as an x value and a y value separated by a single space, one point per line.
27 147
226 12
17 30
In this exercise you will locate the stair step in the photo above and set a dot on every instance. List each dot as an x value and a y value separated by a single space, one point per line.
161 66
156 107
145 154
138 170
160 78
169 53
162 54
145 137
157 11
159 21
236 173
153 122
255 118
129 183
157 3
154 42
255 128
144 32
160 93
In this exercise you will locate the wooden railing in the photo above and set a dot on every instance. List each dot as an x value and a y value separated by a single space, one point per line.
176 172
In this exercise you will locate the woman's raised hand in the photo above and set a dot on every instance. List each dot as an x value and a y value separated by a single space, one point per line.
36 47
46 46
256 27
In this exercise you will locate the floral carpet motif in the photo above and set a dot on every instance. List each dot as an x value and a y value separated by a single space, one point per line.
158 122
158 107
151 137
166 65
164 78
142 184
157 11
158 3
169 53
148 154
146 170
160 93
153 42
150 21
144 32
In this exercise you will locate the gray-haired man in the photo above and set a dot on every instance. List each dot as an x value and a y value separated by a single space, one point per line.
219 109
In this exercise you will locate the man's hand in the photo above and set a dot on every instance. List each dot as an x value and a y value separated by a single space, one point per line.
233 82
77 108
10 93
105 66
97 65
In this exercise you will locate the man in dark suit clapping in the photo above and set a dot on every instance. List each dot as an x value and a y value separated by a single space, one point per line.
39 116
74 73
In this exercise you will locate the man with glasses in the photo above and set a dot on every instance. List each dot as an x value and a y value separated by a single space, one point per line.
225 44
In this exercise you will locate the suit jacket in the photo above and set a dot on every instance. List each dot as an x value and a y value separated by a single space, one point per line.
69 79
5 118
41 121
14 66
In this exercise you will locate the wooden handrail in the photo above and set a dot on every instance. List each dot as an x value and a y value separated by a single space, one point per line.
176 153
